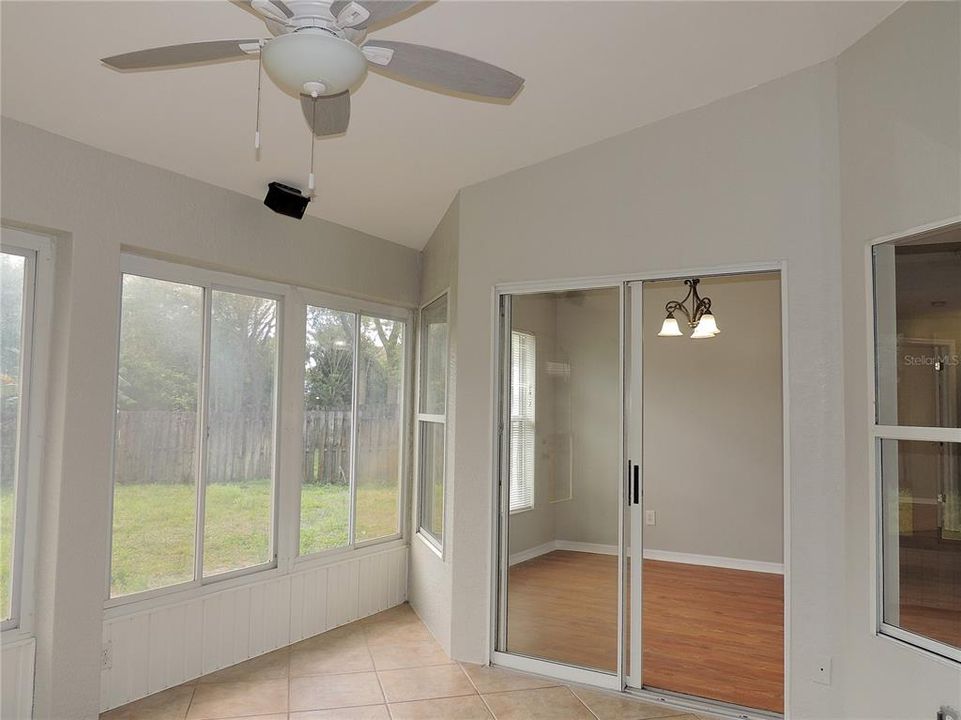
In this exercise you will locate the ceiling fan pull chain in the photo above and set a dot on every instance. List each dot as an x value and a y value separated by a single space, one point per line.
260 74
313 121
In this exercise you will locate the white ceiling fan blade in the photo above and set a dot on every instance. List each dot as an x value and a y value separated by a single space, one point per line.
265 9
327 114
442 69
278 8
353 15
380 12
188 54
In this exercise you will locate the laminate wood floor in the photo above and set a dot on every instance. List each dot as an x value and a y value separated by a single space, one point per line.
710 632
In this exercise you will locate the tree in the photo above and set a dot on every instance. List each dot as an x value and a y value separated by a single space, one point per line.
329 363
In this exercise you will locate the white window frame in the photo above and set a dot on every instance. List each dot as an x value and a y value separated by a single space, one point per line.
357 308
289 444
38 250
433 418
209 281
532 480
877 433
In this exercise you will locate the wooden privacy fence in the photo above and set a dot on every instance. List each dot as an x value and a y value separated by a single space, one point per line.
158 446
8 440
327 447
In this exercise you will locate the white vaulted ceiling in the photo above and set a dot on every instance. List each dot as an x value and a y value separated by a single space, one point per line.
593 70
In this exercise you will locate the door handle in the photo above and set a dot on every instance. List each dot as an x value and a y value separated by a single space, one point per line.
637 484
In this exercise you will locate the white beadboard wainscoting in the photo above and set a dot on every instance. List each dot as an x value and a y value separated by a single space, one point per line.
164 646
16 689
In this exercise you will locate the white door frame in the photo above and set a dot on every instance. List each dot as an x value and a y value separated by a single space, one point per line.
619 681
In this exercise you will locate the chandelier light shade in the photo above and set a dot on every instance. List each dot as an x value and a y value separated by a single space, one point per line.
699 316
708 324
670 328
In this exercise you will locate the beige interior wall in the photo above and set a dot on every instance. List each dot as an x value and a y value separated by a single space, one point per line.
588 338
579 330
713 461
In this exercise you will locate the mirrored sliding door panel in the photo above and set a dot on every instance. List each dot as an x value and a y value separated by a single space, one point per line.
561 480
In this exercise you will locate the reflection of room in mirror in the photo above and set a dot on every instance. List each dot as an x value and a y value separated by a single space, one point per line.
575 482
917 302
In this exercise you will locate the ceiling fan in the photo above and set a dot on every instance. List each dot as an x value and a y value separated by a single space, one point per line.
320 51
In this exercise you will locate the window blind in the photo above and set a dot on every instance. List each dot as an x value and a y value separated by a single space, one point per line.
523 371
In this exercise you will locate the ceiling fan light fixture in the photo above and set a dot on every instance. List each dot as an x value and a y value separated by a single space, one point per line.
313 61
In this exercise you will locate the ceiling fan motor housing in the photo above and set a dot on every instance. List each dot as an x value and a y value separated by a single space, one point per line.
312 61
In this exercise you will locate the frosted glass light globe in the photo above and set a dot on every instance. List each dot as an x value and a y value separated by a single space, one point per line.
708 324
670 328
330 64
705 328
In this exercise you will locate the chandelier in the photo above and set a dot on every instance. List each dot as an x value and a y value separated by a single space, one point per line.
699 317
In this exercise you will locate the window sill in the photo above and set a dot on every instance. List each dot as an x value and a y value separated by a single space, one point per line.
438 550
336 555
119 607
519 511
930 649
15 636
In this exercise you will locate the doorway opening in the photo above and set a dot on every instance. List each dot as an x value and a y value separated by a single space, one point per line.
705 423
616 444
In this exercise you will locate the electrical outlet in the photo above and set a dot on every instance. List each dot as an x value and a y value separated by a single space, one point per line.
650 517
822 670
106 656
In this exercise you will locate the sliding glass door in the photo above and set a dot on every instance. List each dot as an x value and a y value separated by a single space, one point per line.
560 503
640 495
704 502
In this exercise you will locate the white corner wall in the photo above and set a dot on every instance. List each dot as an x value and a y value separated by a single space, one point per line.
900 162
96 204
752 178
430 571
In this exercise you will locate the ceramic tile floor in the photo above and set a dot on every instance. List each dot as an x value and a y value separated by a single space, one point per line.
386 667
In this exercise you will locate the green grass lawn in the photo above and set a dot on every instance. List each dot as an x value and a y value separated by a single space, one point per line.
153 537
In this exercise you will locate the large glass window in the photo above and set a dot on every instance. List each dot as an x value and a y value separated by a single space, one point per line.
432 417
380 402
195 434
353 402
328 414
26 294
917 320
155 464
239 488
13 278
197 444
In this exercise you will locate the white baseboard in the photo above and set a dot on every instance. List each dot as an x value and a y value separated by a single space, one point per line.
715 561
531 553
552 545
596 548
663 555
